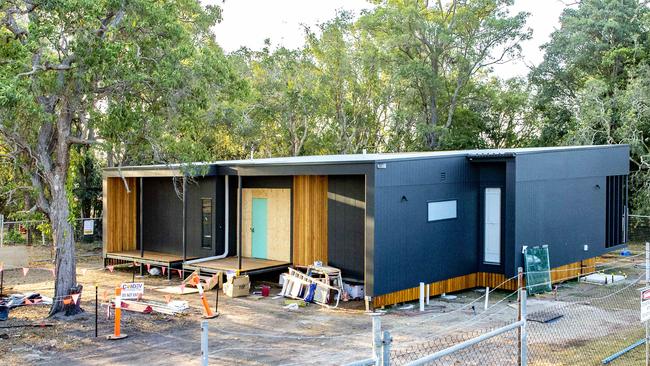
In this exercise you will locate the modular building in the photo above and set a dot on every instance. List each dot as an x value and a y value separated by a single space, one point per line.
451 219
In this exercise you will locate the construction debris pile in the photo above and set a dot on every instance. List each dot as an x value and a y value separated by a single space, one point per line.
16 300
319 284
174 307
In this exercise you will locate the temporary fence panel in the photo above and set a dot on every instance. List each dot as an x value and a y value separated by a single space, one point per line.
537 266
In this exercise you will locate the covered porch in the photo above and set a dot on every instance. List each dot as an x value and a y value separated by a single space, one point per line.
292 220
132 234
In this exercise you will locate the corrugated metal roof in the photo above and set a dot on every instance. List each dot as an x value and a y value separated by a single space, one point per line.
366 158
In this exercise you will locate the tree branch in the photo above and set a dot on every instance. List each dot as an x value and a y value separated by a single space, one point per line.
81 141
47 67
11 24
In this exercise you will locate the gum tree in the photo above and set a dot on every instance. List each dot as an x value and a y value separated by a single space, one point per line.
438 49
124 77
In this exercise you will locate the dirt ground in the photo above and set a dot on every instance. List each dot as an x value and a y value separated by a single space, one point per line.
249 331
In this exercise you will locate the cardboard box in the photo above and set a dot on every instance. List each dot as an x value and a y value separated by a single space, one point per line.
237 286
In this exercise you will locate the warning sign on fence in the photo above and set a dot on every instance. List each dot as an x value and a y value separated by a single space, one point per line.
132 290
645 304
89 227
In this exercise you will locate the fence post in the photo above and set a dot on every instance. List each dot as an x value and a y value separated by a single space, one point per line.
647 282
487 298
204 343
376 338
520 278
386 348
523 333
421 296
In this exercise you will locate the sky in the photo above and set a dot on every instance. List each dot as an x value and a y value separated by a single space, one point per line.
249 22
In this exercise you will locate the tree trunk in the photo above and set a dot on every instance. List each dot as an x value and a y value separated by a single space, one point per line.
432 136
63 235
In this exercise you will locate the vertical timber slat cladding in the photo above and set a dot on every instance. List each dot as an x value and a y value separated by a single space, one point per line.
279 222
121 214
482 279
310 219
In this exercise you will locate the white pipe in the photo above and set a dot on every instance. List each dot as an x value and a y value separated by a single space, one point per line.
487 298
421 296
226 209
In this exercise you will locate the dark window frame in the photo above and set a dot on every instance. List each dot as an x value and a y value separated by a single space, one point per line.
206 223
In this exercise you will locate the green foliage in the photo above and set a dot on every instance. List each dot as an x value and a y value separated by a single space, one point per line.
600 39
592 87
437 54
401 77
84 184
150 84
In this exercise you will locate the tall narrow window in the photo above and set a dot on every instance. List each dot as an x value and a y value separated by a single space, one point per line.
206 223
492 226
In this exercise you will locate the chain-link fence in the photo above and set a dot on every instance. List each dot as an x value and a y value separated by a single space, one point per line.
462 324
501 349
584 323
639 228
36 232
592 319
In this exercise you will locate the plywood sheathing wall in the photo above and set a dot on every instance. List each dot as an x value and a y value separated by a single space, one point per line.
310 219
120 215
279 222
482 279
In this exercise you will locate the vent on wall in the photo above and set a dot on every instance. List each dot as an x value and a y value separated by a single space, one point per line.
443 176
616 207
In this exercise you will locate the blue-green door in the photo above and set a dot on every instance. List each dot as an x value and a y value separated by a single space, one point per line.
259 228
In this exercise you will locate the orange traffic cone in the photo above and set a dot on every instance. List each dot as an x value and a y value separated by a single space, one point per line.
208 312
118 315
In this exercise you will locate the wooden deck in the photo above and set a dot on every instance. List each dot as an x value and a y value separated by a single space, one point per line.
248 265
148 257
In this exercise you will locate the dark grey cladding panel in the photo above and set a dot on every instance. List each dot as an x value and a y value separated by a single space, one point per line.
162 216
198 189
346 218
408 249
423 171
268 182
565 215
593 162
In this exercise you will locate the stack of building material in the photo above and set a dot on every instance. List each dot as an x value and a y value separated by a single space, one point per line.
298 285
602 278
175 307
